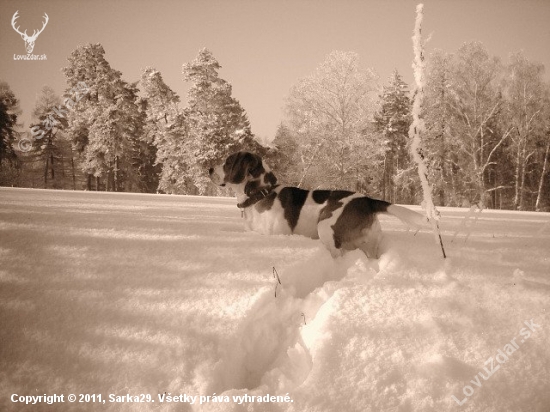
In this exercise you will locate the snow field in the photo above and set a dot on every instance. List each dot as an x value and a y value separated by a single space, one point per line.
122 293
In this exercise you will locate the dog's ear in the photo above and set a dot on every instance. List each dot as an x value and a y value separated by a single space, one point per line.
255 166
239 165
270 179
231 168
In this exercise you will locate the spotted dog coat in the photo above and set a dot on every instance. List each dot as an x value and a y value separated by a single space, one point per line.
343 220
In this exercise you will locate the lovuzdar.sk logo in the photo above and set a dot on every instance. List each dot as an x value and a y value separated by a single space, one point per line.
29 40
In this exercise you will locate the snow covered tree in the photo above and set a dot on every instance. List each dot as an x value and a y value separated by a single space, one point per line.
165 128
144 154
87 65
475 106
329 111
105 126
48 146
113 149
526 98
9 112
217 124
543 164
542 201
284 157
393 120
441 149
481 118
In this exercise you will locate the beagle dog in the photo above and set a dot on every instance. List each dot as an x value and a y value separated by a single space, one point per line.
343 220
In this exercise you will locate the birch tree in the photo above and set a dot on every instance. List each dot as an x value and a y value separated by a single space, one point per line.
329 111
525 93
544 170
475 104
544 153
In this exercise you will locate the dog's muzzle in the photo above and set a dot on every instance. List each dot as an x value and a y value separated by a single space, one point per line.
216 178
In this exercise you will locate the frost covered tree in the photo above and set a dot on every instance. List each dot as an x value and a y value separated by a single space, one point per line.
543 164
526 97
284 156
137 160
106 125
87 65
113 137
542 172
216 123
49 146
440 148
393 120
481 118
165 129
475 107
330 112
9 113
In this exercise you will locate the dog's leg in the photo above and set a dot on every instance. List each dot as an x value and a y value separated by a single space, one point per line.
326 235
370 240
371 243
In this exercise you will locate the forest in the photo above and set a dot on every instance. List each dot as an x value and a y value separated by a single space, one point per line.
486 136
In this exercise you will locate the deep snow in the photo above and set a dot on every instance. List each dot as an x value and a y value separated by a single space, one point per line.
104 293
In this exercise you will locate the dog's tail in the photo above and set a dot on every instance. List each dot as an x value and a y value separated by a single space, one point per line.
407 216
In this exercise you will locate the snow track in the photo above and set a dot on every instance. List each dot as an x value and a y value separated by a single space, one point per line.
271 351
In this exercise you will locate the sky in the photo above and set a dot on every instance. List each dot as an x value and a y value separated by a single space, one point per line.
264 47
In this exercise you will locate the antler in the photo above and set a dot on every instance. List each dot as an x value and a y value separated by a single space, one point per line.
35 33
15 17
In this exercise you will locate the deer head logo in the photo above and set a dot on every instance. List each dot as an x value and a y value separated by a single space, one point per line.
29 40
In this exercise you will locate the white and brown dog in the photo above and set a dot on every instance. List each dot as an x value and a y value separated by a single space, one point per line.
342 220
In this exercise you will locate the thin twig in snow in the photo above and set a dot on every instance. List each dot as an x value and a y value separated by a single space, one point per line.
418 126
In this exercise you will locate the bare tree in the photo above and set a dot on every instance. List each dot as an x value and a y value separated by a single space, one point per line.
543 172
525 100
329 111
475 104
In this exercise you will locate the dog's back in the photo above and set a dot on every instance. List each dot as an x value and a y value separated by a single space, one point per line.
342 219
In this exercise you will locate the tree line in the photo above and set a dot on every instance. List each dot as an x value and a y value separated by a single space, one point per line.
122 136
486 142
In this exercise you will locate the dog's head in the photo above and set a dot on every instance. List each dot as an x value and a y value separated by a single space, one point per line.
242 168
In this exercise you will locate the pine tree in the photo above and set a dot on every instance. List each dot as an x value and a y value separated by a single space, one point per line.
393 121
48 144
9 113
165 130
441 150
106 126
284 157
217 124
